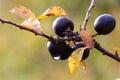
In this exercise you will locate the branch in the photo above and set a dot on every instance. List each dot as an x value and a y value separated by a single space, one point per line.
105 52
24 28
76 36
88 14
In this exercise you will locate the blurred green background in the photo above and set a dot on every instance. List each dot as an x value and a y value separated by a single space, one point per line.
24 56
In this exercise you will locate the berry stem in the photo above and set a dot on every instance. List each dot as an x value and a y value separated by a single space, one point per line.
95 35
88 15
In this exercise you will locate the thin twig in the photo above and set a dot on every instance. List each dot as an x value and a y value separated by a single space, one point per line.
88 14
24 28
76 38
105 52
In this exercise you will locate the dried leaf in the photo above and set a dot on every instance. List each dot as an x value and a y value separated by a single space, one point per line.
32 24
87 39
53 11
75 60
23 12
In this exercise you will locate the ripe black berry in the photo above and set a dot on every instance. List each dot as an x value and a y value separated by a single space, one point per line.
59 50
61 24
104 24
67 53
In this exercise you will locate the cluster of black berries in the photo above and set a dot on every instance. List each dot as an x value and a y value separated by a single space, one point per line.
63 27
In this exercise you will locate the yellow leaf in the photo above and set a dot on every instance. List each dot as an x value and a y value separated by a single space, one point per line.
82 63
23 12
117 51
75 60
72 64
32 23
53 11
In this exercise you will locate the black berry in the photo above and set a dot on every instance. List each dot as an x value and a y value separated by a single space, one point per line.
59 50
104 24
61 24
68 52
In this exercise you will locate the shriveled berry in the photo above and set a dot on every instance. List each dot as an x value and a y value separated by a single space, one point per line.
86 51
104 24
61 24
85 54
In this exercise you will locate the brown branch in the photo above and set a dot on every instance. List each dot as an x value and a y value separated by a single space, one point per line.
24 28
36 32
88 14
105 52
